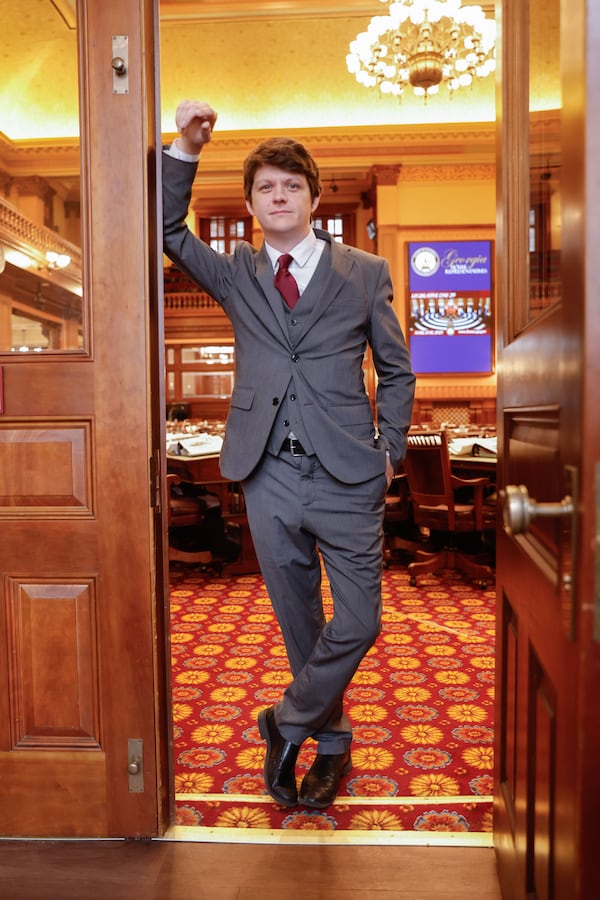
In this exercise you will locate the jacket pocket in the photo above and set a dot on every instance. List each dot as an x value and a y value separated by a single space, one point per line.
242 398
351 414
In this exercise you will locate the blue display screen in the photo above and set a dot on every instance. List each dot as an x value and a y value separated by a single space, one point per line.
451 320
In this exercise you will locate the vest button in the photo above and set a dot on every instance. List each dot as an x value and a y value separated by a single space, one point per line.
292 396
275 401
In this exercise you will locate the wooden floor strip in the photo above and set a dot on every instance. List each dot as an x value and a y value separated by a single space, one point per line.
379 838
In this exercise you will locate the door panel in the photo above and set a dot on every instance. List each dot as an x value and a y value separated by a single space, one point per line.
55 699
548 658
45 468
80 530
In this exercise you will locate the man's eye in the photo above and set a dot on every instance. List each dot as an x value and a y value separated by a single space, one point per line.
265 187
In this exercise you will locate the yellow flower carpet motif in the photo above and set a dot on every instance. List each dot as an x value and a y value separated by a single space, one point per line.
421 705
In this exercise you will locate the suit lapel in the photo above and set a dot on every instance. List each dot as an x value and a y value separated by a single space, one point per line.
264 275
329 278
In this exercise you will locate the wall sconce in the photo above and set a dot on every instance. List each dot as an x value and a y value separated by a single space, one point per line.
57 260
19 259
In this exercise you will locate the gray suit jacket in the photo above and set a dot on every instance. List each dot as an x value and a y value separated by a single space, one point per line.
325 358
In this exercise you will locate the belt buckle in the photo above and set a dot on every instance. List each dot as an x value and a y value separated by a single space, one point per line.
294 447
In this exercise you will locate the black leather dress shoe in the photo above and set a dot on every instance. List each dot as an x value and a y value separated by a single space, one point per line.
322 781
280 761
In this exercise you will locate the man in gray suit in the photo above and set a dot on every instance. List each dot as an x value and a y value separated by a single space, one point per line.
300 435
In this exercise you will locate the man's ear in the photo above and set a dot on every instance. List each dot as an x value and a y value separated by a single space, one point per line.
249 208
315 203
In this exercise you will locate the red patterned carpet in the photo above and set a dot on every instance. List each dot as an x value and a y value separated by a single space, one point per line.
421 705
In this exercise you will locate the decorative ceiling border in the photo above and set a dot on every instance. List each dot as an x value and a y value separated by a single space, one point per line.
181 11
351 148
247 10
452 172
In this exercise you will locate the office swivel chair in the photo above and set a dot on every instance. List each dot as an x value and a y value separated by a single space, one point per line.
448 509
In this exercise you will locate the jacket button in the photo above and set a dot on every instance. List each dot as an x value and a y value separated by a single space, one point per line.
295 357
286 423
275 401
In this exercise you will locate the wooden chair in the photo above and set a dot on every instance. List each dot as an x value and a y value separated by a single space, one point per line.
188 519
448 506
186 513
401 537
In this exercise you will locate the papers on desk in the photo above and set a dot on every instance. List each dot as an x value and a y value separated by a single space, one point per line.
202 444
473 447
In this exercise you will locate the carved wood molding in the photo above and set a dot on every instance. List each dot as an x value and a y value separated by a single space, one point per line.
387 176
347 148
190 302
50 158
459 172
471 391
17 232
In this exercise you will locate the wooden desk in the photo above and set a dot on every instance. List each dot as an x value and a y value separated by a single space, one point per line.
204 470
474 466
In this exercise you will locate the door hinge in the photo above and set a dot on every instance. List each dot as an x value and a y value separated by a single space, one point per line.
155 481
135 765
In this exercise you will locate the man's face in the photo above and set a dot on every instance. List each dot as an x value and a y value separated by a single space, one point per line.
281 202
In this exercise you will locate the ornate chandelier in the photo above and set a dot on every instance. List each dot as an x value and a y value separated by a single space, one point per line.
424 43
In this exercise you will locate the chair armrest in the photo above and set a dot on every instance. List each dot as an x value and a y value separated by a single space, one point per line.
476 485
469 482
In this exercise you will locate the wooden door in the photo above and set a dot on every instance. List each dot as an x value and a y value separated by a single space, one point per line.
548 736
82 726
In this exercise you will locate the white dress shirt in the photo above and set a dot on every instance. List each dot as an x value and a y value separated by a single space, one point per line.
305 259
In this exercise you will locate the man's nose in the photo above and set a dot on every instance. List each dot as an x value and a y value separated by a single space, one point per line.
280 193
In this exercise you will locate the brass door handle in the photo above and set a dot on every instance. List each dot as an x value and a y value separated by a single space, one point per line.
519 509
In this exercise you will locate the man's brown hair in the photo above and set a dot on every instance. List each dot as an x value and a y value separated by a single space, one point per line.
284 153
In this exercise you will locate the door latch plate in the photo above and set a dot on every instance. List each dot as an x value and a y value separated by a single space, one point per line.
135 765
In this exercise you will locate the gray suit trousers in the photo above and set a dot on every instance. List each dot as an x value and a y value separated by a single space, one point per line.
296 509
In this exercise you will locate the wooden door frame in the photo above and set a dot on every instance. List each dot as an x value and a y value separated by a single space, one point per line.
585 70
580 191
121 146
83 585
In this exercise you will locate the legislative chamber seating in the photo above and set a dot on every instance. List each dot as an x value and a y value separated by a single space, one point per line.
450 511
198 533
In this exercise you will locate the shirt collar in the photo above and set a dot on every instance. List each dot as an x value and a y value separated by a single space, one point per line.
301 252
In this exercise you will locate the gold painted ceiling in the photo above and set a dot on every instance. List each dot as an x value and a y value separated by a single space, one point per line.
265 65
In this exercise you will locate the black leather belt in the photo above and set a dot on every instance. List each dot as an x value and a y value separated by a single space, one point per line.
293 446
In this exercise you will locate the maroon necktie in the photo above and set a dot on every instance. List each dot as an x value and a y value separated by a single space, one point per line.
286 283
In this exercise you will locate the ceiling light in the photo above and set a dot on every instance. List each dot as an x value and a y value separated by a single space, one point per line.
424 43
